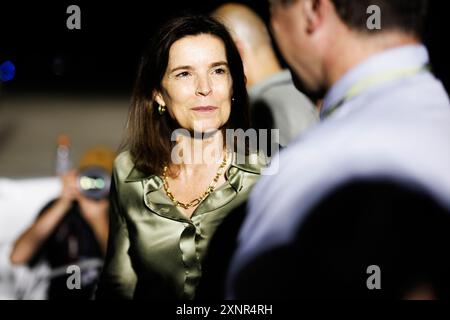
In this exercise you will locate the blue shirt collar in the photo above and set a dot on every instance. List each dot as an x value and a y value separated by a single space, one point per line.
400 57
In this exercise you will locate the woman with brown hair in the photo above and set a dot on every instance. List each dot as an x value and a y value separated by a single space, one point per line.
179 178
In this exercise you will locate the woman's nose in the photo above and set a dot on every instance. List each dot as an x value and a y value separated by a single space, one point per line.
203 86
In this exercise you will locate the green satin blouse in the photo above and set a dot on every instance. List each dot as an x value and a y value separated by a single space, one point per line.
154 251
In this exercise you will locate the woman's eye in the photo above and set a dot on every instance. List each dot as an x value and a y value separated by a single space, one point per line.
182 74
220 71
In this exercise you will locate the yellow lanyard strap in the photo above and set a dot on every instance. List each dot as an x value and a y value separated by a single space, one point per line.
374 80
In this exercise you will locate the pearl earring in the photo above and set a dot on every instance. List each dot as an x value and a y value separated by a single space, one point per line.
161 109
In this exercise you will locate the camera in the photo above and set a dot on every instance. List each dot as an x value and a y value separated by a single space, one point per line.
94 183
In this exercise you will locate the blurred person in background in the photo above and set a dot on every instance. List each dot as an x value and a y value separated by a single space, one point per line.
275 103
73 228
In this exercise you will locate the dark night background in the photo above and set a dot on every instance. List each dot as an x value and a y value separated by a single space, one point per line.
102 57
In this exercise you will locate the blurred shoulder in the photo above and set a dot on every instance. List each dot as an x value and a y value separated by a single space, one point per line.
123 159
123 165
252 163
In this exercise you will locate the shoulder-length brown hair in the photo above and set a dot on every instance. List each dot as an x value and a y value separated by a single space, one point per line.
149 133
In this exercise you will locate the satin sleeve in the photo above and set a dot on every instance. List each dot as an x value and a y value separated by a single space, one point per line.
118 278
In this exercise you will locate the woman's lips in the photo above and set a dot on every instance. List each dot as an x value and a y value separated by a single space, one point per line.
204 108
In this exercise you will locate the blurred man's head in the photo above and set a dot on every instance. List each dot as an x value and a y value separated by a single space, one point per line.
98 156
252 39
402 15
322 39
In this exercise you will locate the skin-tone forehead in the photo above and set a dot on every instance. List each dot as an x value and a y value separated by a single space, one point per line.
196 50
274 3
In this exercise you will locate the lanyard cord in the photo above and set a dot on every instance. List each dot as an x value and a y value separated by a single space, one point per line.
374 80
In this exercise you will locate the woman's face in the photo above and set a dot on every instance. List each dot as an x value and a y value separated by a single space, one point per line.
197 84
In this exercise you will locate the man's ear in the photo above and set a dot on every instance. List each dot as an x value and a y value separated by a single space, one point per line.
159 99
313 13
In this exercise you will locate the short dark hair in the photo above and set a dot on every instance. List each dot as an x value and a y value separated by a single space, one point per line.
149 133
404 15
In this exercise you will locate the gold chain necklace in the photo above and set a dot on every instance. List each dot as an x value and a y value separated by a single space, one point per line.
208 191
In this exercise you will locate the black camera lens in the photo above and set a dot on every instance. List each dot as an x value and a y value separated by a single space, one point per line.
94 183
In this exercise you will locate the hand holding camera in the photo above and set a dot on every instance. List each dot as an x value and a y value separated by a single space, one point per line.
70 191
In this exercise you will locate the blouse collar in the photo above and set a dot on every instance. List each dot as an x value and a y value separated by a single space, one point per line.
159 203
